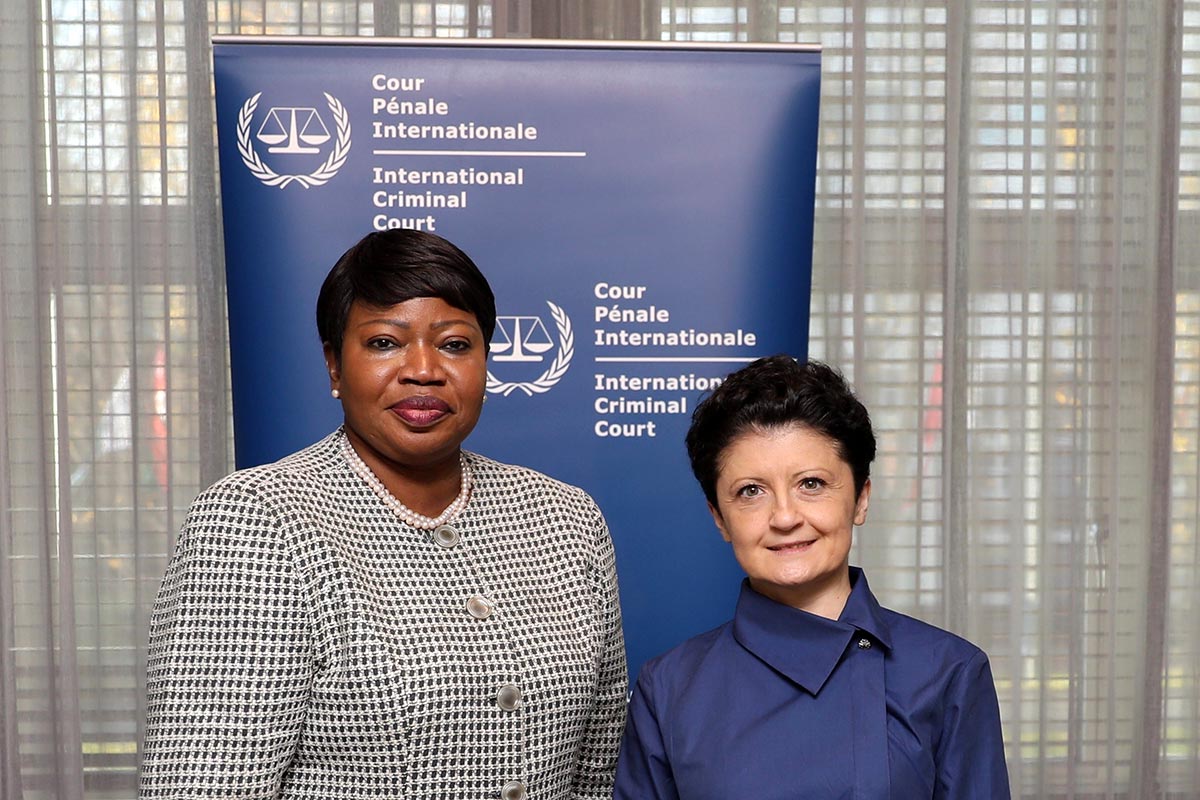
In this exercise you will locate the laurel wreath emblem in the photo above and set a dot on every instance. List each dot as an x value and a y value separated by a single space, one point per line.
269 176
558 367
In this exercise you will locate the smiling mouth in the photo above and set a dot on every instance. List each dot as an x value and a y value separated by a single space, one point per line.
793 547
421 411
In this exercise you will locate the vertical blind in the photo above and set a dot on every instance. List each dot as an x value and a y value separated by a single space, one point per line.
1005 266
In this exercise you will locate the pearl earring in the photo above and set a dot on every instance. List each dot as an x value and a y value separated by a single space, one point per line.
336 394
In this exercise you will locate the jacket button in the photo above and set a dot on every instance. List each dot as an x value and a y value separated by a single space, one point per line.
479 606
864 643
445 536
513 790
509 697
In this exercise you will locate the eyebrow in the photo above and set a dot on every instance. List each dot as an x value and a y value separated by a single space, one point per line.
806 471
400 323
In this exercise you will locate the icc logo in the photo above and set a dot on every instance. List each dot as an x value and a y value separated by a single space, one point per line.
525 339
294 130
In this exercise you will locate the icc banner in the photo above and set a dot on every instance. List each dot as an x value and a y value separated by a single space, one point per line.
643 212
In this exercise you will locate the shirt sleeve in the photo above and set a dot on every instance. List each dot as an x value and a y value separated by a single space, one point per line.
644 768
602 732
970 755
230 662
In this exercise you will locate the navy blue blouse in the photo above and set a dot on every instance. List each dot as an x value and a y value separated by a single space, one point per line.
780 703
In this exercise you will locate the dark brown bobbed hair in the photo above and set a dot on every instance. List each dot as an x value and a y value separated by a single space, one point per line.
779 392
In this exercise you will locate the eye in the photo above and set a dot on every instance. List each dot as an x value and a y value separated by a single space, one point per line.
457 345
380 343
811 484
750 490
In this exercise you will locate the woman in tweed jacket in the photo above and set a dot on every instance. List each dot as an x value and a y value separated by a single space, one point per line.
383 614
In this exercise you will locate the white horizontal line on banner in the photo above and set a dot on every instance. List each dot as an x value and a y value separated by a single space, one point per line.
621 360
510 153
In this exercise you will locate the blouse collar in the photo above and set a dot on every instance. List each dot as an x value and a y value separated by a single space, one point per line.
802 646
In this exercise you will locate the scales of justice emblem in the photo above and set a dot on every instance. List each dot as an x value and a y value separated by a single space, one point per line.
302 133
524 339
294 130
520 339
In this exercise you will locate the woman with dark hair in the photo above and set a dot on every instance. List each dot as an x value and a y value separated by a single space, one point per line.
384 614
813 690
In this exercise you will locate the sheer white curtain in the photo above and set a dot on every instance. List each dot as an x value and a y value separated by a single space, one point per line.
1006 267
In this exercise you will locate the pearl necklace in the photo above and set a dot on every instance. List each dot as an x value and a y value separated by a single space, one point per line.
406 514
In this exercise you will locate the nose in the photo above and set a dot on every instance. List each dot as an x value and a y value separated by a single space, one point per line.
422 364
785 512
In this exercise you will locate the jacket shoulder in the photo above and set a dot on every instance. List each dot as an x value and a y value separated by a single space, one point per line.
309 467
519 481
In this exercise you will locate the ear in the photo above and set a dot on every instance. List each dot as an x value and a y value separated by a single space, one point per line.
720 522
861 504
331 365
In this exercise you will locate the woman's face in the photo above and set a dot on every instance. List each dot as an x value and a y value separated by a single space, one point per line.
411 379
785 501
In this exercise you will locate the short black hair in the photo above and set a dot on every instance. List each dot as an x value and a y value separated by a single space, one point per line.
389 267
778 392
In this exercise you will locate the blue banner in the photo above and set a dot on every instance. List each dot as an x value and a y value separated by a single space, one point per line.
643 212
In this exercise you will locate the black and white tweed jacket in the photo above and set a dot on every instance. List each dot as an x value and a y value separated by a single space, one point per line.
307 644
